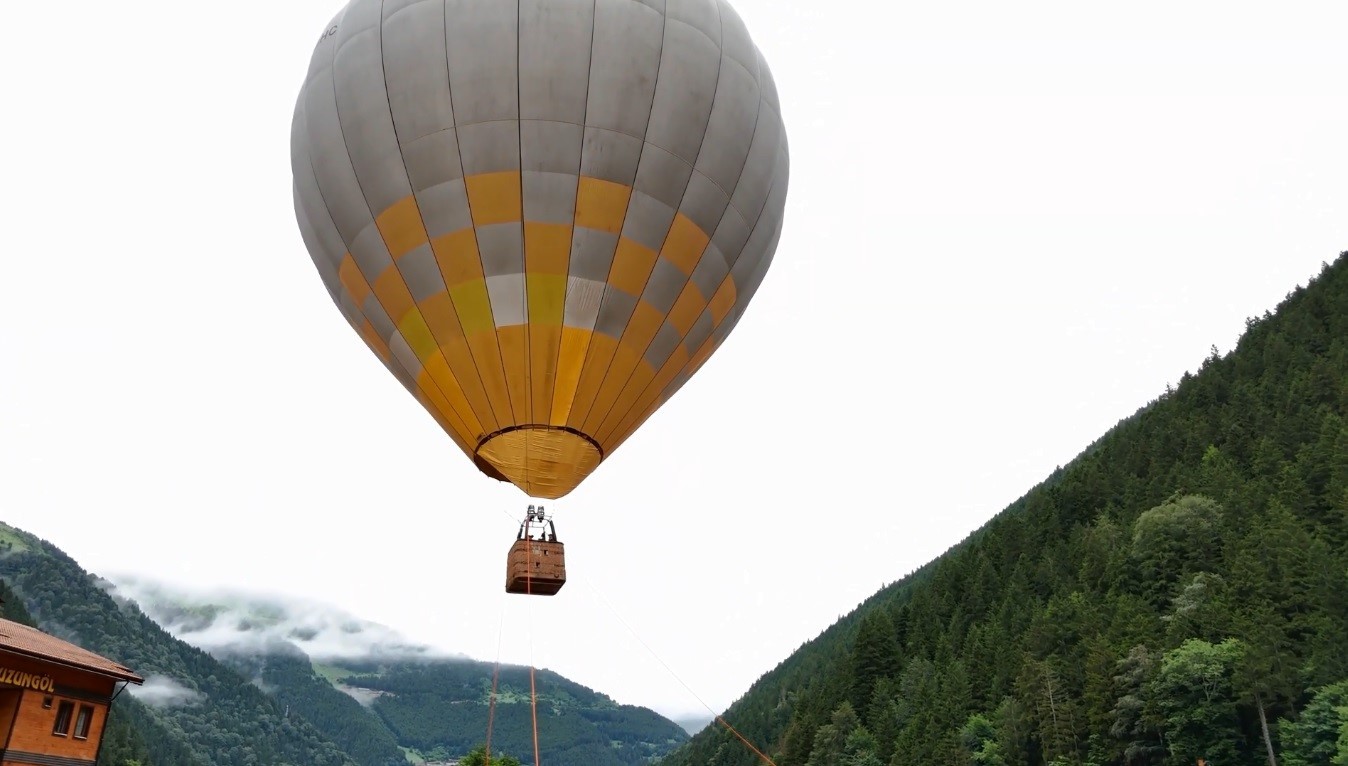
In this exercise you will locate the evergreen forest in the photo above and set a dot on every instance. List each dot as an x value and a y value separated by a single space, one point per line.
1178 592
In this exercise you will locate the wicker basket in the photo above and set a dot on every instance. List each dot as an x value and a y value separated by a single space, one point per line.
535 567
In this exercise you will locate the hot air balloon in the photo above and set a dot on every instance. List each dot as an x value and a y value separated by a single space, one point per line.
543 216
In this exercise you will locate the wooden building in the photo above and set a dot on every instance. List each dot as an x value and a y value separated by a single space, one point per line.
54 698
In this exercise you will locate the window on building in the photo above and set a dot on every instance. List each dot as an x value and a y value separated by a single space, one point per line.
64 712
82 722
46 702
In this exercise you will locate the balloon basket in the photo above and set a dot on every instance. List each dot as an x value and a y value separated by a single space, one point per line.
535 568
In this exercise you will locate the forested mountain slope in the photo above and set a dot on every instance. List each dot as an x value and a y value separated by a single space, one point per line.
258 698
442 706
438 709
1180 590
318 661
202 712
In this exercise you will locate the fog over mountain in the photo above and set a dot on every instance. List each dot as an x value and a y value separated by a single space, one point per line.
162 692
222 622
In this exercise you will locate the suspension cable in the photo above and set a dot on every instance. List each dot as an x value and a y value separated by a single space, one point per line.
718 718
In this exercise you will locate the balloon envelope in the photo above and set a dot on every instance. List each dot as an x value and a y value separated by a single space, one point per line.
543 216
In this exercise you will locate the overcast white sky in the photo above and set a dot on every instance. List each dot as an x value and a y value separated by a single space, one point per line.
1009 226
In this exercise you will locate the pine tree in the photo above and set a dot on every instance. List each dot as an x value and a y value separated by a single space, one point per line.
875 656
1313 738
830 742
1054 712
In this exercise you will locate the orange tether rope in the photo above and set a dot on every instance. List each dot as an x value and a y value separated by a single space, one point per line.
491 708
533 711
746 742
528 592
533 689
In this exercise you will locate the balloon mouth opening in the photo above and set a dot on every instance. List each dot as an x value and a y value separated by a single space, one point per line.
544 461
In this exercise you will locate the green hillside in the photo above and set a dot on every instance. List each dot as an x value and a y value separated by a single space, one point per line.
212 715
442 706
288 675
438 708
264 702
388 696
1179 591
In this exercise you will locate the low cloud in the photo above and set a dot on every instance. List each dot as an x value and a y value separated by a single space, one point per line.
226 622
162 691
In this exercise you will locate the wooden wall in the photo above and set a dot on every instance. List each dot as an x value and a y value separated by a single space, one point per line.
27 724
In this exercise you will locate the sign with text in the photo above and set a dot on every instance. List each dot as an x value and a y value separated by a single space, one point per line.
10 677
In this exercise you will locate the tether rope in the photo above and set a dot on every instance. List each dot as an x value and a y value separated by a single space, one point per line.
496 669
719 719
533 688
529 592
495 678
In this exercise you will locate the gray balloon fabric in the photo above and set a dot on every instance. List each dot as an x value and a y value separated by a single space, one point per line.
543 216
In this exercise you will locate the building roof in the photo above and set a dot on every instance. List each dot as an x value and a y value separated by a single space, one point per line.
31 642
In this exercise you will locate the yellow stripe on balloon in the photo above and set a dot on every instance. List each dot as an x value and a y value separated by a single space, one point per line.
442 316
439 383
494 197
601 205
685 244
575 343
457 256
514 344
351 278
687 309
598 355
722 301
615 431
473 305
641 329
632 264
392 294
418 335
487 358
401 227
